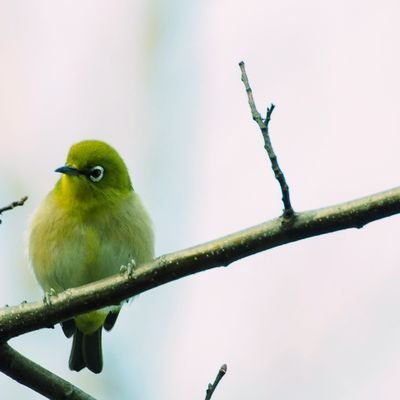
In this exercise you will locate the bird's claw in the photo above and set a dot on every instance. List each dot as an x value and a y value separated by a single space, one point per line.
129 268
48 295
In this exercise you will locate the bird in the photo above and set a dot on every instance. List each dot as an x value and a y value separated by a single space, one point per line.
87 227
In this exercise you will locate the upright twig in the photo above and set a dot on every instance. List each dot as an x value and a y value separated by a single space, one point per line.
212 387
13 205
264 127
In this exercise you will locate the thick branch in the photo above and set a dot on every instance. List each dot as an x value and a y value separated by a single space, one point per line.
24 371
263 124
27 317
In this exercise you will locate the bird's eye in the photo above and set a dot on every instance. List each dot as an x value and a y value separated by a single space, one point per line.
96 173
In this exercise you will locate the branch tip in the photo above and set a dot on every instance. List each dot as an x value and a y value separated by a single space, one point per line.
14 204
223 369
211 387
270 109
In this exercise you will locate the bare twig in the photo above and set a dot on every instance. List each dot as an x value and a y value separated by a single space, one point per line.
212 387
264 127
14 204
30 374
27 317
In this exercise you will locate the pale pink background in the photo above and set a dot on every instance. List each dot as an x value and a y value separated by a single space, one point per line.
318 319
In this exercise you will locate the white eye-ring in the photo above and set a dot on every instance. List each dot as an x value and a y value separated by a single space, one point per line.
96 173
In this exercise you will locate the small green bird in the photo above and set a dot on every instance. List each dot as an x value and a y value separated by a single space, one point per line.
90 224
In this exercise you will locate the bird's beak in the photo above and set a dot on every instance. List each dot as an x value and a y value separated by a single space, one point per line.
68 170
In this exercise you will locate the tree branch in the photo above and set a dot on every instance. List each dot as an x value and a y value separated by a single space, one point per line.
13 205
212 387
263 124
27 317
30 374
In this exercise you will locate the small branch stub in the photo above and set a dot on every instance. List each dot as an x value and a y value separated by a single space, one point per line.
263 124
211 387
13 205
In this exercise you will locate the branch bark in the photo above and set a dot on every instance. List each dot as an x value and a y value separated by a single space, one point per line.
27 317
30 374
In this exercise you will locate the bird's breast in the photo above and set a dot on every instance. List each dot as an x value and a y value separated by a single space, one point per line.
68 250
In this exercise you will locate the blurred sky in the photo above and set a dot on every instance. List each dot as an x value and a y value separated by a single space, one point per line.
159 80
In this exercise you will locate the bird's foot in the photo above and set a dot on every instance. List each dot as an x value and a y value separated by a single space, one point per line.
129 268
48 295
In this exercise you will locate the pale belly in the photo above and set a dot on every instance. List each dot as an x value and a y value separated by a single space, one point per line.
75 255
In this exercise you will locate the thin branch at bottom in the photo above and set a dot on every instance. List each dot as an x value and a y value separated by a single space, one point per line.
211 387
32 375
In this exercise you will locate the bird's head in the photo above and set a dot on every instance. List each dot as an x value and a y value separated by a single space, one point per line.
94 170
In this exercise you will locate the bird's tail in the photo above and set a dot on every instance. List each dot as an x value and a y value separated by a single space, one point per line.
86 352
86 348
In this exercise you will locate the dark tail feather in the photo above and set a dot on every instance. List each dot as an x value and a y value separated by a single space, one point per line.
76 361
68 327
111 319
86 352
92 351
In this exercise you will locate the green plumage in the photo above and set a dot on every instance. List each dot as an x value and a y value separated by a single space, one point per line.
89 225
